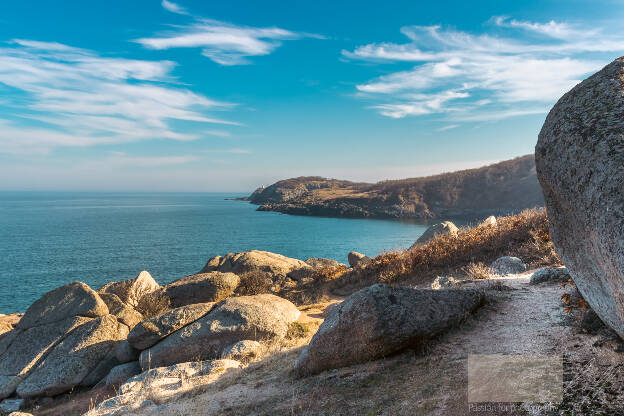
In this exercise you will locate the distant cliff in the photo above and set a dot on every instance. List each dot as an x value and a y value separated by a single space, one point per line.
498 189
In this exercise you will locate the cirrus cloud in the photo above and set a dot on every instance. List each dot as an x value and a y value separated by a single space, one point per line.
66 96
520 68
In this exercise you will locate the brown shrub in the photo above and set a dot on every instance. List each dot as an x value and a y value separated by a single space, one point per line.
153 304
524 235
254 282
478 271
328 273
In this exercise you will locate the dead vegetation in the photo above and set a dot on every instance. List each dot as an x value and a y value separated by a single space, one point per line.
523 235
154 304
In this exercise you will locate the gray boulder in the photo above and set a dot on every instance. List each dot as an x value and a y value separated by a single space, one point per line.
276 265
124 352
201 288
152 330
21 350
243 351
445 227
380 320
125 314
131 291
550 275
508 265
257 317
83 352
73 299
579 159
356 258
121 373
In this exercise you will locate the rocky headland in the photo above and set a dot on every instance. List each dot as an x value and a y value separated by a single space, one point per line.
499 189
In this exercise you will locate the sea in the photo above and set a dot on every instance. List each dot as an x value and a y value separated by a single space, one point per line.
48 239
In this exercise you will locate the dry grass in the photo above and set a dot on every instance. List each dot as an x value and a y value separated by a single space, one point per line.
524 235
478 271
153 304
254 282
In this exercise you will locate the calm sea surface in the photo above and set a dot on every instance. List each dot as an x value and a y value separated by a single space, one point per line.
49 239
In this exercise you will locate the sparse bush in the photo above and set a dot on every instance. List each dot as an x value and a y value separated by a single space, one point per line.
478 271
524 235
254 282
300 329
153 304
328 273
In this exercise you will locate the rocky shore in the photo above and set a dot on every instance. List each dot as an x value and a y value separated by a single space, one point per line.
260 333
499 189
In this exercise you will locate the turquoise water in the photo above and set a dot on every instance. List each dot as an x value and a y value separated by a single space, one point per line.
49 239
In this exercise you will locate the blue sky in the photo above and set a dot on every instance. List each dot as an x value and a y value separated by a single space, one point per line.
226 96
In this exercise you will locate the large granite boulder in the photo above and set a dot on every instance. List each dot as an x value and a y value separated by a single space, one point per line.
276 265
83 357
257 317
44 325
580 164
201 288
152 330
380 320
321 263
21 350
73 299
131 291
125 314
445 227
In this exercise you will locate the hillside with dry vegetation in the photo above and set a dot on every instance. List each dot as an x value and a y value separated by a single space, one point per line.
499 189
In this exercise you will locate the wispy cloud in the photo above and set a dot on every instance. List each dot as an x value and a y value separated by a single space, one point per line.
448 127
173 7
67 96
223 43
519 68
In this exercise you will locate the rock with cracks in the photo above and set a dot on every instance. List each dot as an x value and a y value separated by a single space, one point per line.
152 330
258 317
580 165
83 357
380 320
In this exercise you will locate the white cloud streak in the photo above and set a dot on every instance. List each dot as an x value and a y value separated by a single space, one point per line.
223 43
67 96
468 76
173 7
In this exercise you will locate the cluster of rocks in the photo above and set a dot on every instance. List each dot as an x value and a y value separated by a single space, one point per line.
74 336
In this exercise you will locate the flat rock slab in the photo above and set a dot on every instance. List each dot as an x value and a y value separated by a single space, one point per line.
150 331
380 320
257 317
580 165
